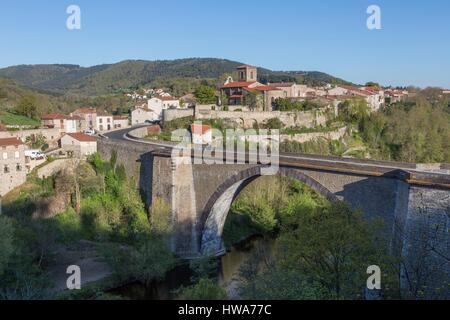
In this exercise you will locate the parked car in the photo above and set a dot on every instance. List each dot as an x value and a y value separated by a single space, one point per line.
35 154
90 132
153 121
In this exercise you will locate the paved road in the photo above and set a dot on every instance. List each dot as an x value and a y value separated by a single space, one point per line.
347 165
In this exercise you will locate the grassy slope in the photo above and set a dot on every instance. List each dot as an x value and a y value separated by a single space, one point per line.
17 120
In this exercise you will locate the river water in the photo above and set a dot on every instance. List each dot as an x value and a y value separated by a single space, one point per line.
228 274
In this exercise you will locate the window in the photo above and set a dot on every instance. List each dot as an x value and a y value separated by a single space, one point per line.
100 120
109 120
6 169
251 75
18 167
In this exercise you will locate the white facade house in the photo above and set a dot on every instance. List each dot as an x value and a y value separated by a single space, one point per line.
104 122
153 109
142 113
158 104
337 91
121 122
201 134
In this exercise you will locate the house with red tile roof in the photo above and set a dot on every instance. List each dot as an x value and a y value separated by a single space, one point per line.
237 91
66 124
201 134
79 145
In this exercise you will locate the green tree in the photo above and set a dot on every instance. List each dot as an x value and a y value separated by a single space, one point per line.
6 242
332 247
205 94
251 100
205 289
28 106
372 84
323 252
354 110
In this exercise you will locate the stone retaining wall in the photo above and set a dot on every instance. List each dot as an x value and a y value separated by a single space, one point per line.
312 136
247 120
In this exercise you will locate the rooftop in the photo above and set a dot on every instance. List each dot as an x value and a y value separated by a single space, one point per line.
245 66
86 110
54 116
167 98
82 137
10 142
120 117
282 84
238 84
200 128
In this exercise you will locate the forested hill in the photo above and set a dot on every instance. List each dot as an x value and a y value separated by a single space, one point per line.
130 74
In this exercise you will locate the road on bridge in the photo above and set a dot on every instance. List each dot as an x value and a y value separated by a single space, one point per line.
410 172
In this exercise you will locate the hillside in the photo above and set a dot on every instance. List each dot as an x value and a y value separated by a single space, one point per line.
12 92
107 79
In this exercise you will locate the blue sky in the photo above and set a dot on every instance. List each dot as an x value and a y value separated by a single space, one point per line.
413 46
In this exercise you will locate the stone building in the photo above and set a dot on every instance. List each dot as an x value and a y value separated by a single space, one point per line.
89 116
12 164
79 144
121 122
53 120
238 92
104 122
143 113
291 89
67 124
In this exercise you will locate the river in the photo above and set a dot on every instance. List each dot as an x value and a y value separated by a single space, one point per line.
227 274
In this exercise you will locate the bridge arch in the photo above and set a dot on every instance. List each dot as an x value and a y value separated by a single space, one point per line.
216 210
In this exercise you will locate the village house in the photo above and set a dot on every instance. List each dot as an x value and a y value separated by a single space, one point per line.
374 97
89 116
79 145
201 134
189 101
160 103
120 122
53 120
142 113
291 89
237 91
72 123
153 109
66 124
395 95
12 164
104 121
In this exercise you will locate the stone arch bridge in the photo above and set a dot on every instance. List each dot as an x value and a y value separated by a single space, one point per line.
410 199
